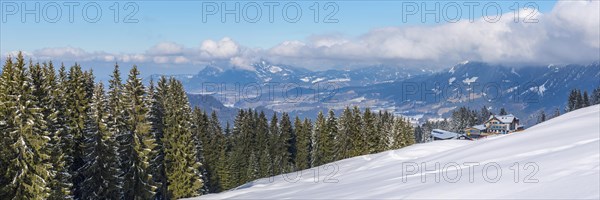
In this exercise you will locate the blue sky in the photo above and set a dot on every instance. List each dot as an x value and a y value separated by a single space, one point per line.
181 22
184 36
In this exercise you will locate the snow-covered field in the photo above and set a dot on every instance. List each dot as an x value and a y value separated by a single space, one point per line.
558 159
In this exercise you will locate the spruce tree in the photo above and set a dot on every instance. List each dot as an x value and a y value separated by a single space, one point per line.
215 146
359 137
49 94
249 146
275 147
136 142
484 115
323 148
586 99
503 111
408 136
100 153
578 99
386 126
595 99
288 139
252 168
541 117
77 105
343 145
224 167
43 100
398 134
308 129
419 134
556 113
116 118
156 114
28 168
303 145
332 132
208 131
572 101
263 146
183 177
60 185
7 93
386 123
242 141
201 140
316 153
370 131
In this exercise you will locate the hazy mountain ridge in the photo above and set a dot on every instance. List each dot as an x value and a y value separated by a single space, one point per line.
522 90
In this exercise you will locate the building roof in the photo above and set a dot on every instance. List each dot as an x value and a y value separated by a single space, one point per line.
442 134
480 127
507 119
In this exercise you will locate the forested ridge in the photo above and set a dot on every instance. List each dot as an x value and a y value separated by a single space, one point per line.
65 136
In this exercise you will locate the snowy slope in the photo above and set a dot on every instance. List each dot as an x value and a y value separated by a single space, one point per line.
565 151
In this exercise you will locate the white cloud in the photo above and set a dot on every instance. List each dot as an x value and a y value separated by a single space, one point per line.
133 58
225 48
181 60
579 17
242 63
109 58
288 48
569 33
64 52
166 48
13 54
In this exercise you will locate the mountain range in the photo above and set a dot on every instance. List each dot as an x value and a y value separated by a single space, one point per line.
418 94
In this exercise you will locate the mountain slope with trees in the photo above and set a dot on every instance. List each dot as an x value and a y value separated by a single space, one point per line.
69 138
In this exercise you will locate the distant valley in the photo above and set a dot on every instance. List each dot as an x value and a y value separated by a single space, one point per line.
417 94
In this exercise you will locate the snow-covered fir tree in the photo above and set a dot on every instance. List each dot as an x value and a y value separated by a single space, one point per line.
100 152
183 177
27 164
136 142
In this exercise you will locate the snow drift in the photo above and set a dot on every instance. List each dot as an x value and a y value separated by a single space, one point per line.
558 159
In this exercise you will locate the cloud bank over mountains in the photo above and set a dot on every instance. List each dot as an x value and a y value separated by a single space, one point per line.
570 33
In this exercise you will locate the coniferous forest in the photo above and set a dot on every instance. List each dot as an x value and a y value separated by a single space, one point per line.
65 136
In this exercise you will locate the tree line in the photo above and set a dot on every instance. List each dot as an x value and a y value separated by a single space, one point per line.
576 100
64 136
258 147
464 117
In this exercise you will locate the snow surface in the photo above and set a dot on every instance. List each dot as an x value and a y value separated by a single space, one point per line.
468 81
539 89
275 69
318 80
563 156
451 80
339 80
305 79
514 72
